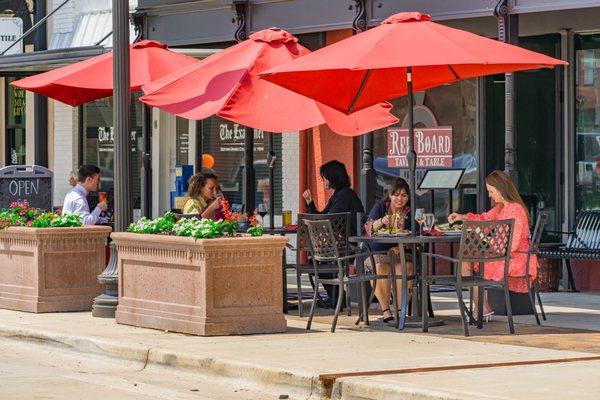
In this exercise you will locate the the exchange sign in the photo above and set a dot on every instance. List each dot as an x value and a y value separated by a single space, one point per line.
433 147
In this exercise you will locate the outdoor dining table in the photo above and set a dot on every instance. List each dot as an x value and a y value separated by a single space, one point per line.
417 242
282 231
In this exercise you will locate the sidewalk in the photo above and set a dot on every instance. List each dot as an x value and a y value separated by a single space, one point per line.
317 364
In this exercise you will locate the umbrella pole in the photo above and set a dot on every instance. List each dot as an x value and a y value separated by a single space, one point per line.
271 160
411 155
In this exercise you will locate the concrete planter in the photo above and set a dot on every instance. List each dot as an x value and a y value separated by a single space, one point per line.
207 287
51 269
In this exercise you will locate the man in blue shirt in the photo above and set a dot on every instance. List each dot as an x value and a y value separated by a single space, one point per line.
76 199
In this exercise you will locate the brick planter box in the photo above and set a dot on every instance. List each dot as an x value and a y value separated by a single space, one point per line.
51 269
207 287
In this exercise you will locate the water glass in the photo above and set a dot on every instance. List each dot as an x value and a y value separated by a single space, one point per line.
429 221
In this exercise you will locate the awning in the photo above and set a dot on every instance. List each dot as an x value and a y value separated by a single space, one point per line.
40 61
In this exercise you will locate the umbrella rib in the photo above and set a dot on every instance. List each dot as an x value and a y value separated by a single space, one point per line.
359 91
454 72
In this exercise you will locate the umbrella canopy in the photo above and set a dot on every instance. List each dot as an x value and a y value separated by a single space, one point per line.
371 67
92 79
226 84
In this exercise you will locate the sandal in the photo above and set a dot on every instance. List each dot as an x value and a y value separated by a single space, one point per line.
387 319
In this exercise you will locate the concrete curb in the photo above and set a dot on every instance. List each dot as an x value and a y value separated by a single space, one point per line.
296 384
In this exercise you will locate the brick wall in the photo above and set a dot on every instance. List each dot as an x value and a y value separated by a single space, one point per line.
65 148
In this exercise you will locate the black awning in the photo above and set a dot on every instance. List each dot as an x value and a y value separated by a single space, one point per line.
41 61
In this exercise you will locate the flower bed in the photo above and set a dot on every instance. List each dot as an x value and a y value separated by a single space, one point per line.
48 262
199 277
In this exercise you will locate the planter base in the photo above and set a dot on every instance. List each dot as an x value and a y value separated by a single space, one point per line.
231 325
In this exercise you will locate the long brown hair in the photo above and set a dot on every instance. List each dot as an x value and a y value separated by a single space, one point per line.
502 182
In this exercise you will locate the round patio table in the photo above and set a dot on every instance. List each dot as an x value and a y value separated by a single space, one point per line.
282 232
417 242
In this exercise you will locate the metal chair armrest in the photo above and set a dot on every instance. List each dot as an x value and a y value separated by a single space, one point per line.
560 232
441 257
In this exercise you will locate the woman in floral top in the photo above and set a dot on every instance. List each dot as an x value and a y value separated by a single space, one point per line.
506 204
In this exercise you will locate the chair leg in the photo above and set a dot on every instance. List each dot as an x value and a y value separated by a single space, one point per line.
404 306
430 307
539 299
570 273
462 307
363 302
531 293
511 325
313 306
338 307
425 301
348 304
299 291
480 298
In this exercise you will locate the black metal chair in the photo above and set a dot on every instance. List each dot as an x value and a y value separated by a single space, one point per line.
532 290
481 242
324 248
341 225
583 242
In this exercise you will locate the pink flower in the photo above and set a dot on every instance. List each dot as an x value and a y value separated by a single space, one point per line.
29 223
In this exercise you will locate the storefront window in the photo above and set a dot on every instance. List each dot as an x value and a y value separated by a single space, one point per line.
224 140
450 106
15 124
98 145
587 120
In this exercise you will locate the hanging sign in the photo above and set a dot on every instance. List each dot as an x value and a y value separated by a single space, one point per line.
11 29
433 147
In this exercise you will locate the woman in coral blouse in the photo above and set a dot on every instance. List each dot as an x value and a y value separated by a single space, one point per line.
506 204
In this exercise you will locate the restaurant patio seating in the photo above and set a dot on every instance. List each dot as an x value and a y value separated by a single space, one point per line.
340 223
324 248
583 242
481 242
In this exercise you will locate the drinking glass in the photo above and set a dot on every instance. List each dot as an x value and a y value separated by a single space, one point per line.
287 218
102 197
420 218
429 221
262 211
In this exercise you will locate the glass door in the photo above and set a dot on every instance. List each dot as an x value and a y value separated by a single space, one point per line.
587 122
537 130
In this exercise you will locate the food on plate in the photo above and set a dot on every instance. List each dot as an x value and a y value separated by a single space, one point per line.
449 228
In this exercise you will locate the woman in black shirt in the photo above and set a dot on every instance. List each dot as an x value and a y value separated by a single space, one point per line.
344 199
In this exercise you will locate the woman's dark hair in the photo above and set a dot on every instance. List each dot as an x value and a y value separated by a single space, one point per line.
87 171
397 185
197 182
335 172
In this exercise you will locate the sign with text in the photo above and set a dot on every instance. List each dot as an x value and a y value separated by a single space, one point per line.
10 30
30 183
433 147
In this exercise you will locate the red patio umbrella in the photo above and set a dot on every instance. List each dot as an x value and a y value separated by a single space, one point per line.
226 84
407 51
92 79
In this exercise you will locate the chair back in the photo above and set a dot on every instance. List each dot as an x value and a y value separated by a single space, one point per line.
340 224
322 240
361 221
538 230
587 231
485 241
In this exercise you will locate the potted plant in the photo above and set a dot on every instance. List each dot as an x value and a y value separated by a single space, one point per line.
200 276
48 262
